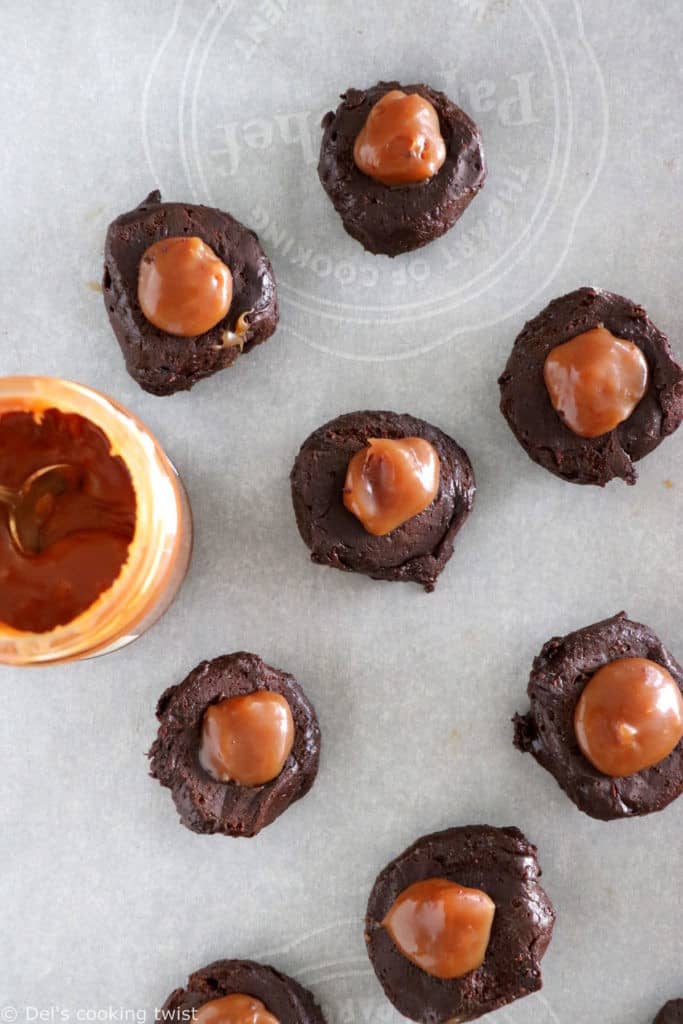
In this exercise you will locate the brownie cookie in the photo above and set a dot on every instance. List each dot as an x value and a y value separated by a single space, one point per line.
418 548
559 679
281 996
671 1013
412 211
237 744
612 342
163 361
501 866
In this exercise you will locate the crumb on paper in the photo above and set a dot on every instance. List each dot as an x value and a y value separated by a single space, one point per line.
94 286
668 484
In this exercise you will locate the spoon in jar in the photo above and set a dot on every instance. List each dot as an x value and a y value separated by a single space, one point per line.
30 506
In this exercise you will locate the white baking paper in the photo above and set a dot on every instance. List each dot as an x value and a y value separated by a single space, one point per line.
106 904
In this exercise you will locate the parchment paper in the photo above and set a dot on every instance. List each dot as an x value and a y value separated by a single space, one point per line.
106 903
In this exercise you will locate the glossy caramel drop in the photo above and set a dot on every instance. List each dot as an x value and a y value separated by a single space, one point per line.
390 481
595 381
400 142
629 716
442 927
183 287
234 1009
247 739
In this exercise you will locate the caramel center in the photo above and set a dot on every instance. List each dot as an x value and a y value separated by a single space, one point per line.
442 927
390 481
183 287
595 381
629 716
235 1009
247 739
400 142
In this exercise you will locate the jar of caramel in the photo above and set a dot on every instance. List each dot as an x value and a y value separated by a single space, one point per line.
95 525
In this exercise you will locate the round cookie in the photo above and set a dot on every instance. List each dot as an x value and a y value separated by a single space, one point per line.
527 407
416 551
204 804
670 1013
394 220
282 996
501 863
163 363
558 677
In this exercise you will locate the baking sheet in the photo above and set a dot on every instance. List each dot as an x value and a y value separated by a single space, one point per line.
107 903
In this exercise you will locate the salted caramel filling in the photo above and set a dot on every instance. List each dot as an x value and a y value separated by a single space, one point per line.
390 481
400 142
247 739
442 927
629 716
235 1009
595 381
183 287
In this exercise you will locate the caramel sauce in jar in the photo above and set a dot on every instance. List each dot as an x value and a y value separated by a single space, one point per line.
81 532
113 548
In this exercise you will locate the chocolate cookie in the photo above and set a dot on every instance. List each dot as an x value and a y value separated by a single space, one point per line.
163 363
415 551
205 804
526 403
397 219
558 677
671 1013
281 995
501 863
